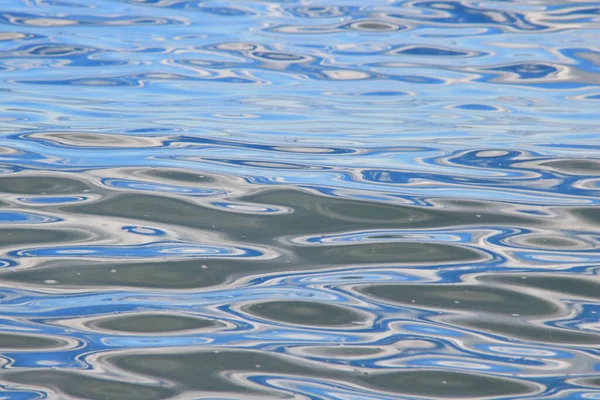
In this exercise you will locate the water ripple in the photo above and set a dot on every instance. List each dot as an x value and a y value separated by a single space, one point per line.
299 199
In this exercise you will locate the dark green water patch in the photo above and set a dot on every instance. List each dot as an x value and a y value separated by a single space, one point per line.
151 323
481 299
160 274
517 328
448 385
306 313
214 371
311 214
397 253
41 184
36 236
28 342
564 286
87 386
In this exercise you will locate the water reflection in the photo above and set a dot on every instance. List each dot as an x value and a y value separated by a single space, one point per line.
293 199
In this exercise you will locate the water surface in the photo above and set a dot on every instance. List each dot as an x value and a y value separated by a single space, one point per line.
299 199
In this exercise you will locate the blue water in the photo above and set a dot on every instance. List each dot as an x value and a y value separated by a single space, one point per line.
299 199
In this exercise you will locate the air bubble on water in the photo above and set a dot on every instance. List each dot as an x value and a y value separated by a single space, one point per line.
112 271
456 302
478 215
258 366
50 281
445 382
516 315
204 266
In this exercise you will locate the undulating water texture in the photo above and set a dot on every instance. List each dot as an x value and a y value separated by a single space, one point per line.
299 199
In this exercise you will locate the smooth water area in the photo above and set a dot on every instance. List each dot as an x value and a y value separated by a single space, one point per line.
299 199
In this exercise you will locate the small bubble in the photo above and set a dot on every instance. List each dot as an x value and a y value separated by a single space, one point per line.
516 315
478 215
258 366
445 382
50 281
413 301
204 266
456 302
112 271
523 277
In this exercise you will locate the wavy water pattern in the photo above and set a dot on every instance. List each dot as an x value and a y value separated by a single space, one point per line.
299 199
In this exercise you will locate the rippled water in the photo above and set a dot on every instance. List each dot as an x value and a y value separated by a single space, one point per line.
342 199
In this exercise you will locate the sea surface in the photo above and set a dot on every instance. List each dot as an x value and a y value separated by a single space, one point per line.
299 199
